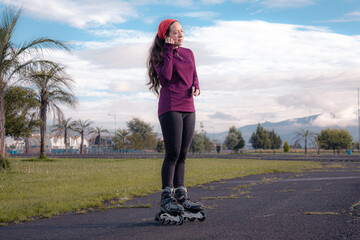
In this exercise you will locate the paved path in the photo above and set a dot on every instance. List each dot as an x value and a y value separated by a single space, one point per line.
311 205
278 157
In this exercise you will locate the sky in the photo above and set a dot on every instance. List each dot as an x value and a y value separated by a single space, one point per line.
257 60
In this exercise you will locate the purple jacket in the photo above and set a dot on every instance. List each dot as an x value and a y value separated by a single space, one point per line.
177 76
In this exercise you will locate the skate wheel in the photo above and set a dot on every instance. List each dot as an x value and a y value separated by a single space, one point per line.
191 219
181 220
167 221
162 219
203 217
157 217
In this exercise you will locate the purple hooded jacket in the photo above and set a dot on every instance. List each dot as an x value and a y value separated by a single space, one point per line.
177 77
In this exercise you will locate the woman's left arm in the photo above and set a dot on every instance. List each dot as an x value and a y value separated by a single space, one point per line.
195 86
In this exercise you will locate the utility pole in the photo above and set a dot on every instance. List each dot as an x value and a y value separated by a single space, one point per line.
359 116
115 121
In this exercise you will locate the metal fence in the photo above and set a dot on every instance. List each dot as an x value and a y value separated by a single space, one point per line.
279 157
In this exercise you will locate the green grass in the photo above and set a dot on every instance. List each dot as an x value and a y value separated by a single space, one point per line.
321 213
296 152
36 189
356 204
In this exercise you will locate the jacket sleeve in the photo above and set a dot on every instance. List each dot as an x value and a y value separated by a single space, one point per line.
165 70
195 77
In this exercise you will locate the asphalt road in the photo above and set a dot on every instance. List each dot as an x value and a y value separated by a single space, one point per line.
279 157
310 205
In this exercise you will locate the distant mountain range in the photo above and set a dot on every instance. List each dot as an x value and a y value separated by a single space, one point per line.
286 129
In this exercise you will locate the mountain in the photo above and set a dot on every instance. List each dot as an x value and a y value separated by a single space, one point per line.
286 129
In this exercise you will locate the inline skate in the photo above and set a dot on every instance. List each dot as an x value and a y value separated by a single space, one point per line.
192 210
170 211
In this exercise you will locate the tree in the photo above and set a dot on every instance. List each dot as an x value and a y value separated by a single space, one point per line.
260 139
286 146
197 143
82 127
207 143
62 128
97 131
121 139
160 146
142 136
53 87
275 140
335 139
355 145
234 140
200 142
218 148
345 139
318 144
20 107
30 126
305 135
15 57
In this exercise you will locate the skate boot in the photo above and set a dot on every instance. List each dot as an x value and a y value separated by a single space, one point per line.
192 210
170 211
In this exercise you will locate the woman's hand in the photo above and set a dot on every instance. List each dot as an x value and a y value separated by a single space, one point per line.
195 92
169 40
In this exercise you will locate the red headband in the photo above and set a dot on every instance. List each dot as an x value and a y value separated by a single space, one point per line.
163 27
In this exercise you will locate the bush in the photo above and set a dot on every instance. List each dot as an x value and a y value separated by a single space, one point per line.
4 163
286 146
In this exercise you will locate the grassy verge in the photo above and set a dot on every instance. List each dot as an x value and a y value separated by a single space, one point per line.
45 188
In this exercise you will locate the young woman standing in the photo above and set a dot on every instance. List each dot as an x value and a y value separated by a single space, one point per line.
171 69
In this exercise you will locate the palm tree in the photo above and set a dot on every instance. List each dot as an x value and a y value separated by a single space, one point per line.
53 87
61 128
12 60
30 127
121 135
82 127
317 143
305 135
98 131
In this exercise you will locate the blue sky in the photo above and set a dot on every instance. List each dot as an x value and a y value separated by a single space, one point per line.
340 16
257 60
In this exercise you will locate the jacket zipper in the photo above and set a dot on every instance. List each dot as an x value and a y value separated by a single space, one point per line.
179 56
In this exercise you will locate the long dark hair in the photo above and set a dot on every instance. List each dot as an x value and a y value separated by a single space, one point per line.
156 57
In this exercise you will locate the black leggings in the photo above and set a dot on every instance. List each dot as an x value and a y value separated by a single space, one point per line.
178 129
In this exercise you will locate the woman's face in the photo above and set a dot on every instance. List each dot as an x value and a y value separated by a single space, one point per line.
176 33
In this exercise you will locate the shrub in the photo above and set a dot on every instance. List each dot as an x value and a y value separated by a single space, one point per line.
286 146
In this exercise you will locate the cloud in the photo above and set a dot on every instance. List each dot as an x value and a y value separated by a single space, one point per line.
344 118
78 13
287 3
180 3
290 55
122 56
349 17
103 90
245 1
222 116
321 100
278 3
338 107
212 2
273 72
249 72
122 35
204 15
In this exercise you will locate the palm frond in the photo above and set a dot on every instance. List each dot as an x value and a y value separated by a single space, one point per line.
28 68
9 19
39 44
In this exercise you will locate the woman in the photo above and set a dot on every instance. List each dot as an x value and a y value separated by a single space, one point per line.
172 68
